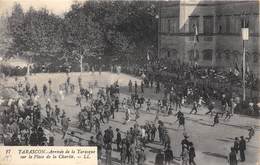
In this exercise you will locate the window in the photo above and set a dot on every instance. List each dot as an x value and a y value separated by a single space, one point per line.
253 24
207 54
228 25
169 25
193 20
236 26
168 53
164 27
218 24
174 25
208 24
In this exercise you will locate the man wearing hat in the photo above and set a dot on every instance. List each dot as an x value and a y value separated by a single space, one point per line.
242 148
118 139
167 139
168 155
184 142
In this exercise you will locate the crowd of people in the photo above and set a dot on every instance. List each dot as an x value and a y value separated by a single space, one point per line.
24 121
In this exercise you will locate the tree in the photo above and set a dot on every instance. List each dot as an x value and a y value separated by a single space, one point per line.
5 39
16 29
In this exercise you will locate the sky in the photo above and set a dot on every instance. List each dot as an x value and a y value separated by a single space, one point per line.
56 6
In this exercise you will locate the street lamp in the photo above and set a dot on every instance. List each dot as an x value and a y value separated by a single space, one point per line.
245 37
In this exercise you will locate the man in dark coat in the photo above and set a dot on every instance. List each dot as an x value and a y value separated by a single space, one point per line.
236 145
242 148
232 158
191 154
159 158
118 139
168 155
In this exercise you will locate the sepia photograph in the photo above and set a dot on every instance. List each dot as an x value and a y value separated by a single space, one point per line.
161 82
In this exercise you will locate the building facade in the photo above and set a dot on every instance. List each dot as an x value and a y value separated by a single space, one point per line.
218 24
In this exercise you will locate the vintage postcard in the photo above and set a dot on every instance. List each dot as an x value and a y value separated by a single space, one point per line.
128 82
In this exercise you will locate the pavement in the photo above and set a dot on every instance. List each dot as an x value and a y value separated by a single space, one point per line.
212 144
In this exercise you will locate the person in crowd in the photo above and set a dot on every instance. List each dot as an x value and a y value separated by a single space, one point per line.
168 155
251 133
44 89
130 85
148 105
185 155
153 132
123 152
65 125
242 148
194 107
118 139
192 154
141 157
236 145
78 100
136 87
210 108
232 158
216 120
159 158
142 87
181 119
108 154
